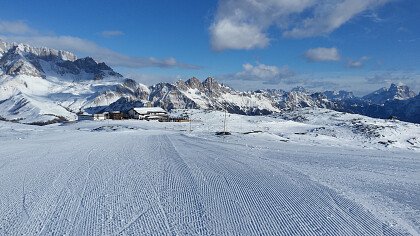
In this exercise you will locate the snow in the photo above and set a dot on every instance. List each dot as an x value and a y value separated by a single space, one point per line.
250 101
52 97
271 176
199 98
321 127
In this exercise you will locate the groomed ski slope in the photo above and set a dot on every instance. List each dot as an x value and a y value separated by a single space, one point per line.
98 179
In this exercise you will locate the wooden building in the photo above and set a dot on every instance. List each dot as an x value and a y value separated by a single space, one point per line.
116 115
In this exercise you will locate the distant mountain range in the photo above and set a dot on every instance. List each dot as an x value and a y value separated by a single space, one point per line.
41 86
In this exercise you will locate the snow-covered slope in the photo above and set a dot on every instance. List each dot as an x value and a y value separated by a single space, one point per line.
314 126
150 178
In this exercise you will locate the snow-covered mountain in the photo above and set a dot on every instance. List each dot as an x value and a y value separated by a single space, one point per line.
210 94
394 92
41 86
21 59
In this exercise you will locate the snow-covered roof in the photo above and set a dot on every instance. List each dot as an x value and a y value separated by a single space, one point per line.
145 110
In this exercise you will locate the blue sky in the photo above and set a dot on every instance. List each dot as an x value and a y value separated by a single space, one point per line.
358 45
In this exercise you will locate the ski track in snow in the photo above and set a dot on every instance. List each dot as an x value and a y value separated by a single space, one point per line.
149 182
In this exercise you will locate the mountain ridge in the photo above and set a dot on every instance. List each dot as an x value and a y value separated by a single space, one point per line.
41 85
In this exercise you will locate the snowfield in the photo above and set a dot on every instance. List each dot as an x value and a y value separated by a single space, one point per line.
312 172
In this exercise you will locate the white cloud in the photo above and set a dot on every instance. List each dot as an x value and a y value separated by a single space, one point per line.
268 74
85 47
329 17
244 24
14 27
322 54
237 36
357 63
111 33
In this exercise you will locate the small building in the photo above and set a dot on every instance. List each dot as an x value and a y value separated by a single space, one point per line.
149 113
84 116
116 115
101 116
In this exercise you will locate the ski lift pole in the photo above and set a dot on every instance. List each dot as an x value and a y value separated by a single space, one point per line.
189 117
190 123
224 122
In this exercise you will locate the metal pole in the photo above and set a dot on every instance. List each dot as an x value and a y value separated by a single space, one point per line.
189 117
224 123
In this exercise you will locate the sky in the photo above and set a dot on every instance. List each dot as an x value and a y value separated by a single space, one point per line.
355 45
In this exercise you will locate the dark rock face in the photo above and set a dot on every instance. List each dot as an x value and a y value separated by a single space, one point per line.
86 65
12 62
22 67
212 87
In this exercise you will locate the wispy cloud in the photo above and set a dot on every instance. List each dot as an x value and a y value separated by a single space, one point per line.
374 17
322 54
387 77
28 35
359 63
111 33
266 74
15 27
244 24
329 16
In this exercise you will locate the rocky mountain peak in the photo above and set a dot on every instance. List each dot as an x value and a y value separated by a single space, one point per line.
194 83
41 52
401 91
182 85
22 59
211 86
394 92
